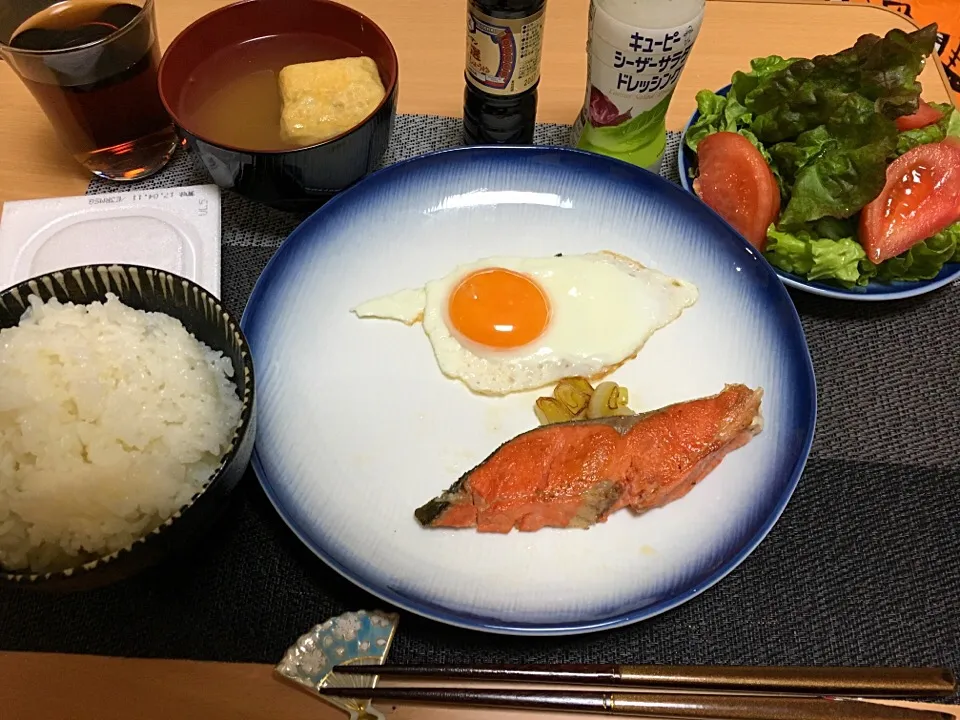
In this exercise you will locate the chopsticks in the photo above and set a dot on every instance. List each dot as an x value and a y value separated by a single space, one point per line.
678 692
675 706
859 681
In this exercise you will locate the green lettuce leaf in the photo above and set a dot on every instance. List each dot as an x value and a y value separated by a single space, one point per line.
815 258
886 69
838 183
743 83
719 113
791 157
952 120
910 139
854 125
834 228
712 118
808 93
947 126
735 115
842 260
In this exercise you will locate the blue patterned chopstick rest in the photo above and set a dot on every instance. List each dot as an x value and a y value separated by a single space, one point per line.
361 637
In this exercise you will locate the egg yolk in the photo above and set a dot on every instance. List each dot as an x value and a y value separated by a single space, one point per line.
499 308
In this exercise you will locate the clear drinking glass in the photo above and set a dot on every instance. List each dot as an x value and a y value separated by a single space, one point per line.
92 66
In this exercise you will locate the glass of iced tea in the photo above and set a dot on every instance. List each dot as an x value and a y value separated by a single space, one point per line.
92 66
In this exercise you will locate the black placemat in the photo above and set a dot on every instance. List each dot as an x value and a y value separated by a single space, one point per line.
863 567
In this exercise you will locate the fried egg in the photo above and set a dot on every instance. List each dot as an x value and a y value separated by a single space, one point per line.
508 324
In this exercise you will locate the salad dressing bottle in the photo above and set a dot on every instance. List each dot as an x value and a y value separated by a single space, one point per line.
636 51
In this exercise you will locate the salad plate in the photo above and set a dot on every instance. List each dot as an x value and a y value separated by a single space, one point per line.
875 291
896 284
358 426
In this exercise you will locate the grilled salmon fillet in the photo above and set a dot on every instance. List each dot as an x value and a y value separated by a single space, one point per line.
576 474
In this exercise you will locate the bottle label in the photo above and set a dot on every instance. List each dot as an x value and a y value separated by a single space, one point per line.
503 56
631 75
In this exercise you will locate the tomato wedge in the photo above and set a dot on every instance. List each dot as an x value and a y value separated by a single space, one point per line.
925 115
738 184
921 198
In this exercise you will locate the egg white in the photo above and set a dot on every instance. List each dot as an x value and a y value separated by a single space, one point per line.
604 307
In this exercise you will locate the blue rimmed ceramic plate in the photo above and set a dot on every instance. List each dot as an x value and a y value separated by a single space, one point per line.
358 427
875 291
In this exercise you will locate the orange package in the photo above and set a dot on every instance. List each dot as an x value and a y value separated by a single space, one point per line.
946 13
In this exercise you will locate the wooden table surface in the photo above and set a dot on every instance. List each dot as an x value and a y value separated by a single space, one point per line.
32 164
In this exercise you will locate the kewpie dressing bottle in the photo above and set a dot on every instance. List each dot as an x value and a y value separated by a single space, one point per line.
636 51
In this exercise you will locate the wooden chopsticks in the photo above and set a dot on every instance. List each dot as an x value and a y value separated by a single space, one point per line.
858 681
677 706
681 692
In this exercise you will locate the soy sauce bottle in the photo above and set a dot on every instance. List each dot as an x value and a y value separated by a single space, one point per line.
504 40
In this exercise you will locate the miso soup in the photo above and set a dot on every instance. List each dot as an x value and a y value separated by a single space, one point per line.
232 98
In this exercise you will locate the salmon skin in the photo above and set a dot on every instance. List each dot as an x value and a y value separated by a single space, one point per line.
578 473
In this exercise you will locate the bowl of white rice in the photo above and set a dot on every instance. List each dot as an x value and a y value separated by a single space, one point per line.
126 418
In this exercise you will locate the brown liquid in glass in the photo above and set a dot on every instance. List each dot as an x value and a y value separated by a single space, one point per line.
103 100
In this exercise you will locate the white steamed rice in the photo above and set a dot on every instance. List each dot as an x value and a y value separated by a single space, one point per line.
110 420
